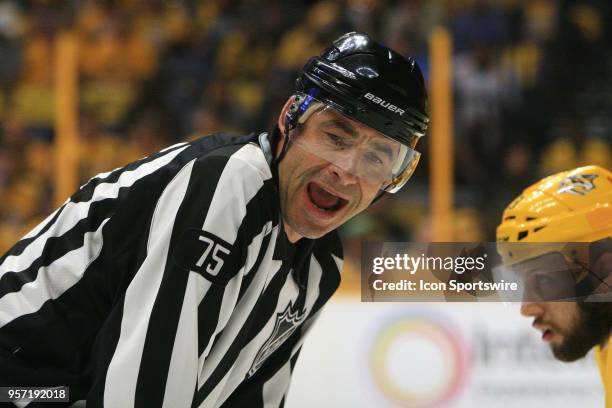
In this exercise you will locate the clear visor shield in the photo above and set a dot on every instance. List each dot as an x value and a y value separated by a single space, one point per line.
354 147
552 277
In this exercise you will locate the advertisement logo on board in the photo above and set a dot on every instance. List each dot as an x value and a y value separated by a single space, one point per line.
420 361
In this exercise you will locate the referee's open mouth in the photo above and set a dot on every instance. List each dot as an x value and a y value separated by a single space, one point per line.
324 201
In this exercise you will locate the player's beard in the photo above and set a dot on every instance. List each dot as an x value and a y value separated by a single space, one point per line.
593 328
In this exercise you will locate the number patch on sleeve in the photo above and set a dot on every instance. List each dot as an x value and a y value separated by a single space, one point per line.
212 260
204 253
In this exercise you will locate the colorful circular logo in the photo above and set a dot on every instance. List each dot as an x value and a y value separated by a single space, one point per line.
419 361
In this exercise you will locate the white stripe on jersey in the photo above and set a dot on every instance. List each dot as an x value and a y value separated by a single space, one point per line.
52 280
122 375
173 146
255 246
254 156
239 314
225 216
183 370
75 212
274 389
338 262
106 174
314 280
228 302
203 286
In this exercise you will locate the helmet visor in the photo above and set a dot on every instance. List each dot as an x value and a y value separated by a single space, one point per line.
553 277
352 146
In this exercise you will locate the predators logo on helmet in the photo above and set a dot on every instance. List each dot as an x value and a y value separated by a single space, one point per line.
579 184
572 206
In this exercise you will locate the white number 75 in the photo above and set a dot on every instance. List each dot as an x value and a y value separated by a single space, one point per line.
213 266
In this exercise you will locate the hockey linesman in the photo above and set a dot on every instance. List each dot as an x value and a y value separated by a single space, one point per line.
556 237
190 277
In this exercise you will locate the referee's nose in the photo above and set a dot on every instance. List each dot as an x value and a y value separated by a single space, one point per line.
343 170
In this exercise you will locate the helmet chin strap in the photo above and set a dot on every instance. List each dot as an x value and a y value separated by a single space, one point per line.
269 144
286 143
380 194
290 124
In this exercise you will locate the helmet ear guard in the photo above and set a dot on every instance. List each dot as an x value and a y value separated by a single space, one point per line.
292 116
299 106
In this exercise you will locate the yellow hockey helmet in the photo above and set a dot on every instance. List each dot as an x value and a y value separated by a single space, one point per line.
554 215
571 206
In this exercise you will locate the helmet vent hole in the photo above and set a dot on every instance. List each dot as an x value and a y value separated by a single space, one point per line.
522 235
511 217
539 228
530 218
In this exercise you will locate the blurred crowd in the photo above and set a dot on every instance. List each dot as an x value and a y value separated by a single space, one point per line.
531 90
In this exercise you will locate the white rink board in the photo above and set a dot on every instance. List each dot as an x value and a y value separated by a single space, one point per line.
435 355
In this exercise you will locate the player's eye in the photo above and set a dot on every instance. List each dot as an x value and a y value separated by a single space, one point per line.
374 159
337 141
546 286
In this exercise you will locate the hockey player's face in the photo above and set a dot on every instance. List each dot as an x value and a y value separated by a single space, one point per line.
318 195
570 328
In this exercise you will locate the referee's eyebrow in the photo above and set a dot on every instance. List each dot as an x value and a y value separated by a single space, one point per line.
343 124
382 147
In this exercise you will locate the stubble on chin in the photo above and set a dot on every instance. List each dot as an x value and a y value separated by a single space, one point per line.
591 329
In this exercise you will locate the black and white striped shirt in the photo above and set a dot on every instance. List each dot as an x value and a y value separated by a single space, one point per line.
166 283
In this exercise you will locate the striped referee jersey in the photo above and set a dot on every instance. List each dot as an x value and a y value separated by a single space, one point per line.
166 283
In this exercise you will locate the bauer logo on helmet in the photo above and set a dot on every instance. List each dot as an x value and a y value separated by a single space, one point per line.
384 103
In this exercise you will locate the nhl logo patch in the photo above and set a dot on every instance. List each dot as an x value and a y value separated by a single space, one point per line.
286 323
